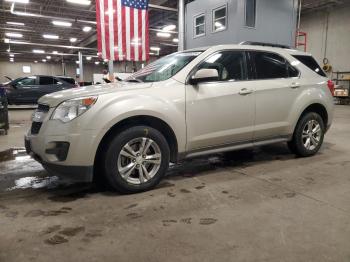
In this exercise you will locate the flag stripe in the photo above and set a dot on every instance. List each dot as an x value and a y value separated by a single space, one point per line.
103 36
115 25
136 34
147 37
120 29
128 19
132 47
139 25
106 23
99 37
143 41
111 29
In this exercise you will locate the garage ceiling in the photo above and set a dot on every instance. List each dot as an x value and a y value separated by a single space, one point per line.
47 10
313 5
80 16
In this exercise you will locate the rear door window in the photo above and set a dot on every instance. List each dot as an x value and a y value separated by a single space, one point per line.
270 65
45 80
311 63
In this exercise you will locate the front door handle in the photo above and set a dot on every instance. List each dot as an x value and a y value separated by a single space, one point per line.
245 91
295 85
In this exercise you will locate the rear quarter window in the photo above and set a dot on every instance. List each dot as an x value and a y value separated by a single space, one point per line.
311 63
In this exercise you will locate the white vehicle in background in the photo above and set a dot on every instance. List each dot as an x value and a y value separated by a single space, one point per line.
190 103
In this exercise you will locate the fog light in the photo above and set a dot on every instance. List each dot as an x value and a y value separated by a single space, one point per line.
60 150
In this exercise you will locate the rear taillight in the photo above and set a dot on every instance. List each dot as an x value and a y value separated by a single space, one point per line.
331 86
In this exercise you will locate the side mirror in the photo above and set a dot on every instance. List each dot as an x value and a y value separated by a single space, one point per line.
204 75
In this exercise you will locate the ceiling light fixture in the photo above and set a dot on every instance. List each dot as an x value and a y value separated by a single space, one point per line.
48 57
163 34
87 29
18 1
6 40
44 60
38 51
175 40
72 39
169 28
48 36
77 62
14 35
35 61
11 55
97 63
80 2
88 58
54 52
15 23
62 23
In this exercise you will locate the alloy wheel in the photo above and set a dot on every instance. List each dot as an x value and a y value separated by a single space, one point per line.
311 135
139 160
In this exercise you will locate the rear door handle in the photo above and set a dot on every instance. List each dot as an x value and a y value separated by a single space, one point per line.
295 85
245 91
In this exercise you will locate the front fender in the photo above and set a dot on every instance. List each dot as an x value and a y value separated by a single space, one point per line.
112 110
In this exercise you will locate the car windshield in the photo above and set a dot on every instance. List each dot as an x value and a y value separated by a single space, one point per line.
163 68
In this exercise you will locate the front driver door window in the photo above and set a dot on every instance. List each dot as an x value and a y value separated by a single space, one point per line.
23 89
217 112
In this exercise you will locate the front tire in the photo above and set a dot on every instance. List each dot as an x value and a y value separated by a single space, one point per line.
136 159
308 135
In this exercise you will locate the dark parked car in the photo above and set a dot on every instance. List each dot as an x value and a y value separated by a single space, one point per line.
4 120
27 90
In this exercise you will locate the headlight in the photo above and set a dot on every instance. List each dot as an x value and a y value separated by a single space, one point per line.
70 109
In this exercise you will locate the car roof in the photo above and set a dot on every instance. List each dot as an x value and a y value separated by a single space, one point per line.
290 51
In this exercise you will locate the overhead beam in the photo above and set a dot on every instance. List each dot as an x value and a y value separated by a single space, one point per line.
161 7
50 45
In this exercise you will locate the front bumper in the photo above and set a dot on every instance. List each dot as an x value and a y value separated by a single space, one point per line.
63 148
73 172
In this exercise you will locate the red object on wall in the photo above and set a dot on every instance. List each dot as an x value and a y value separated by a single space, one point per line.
298 42
331 86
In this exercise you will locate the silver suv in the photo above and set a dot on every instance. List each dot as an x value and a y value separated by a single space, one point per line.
187 104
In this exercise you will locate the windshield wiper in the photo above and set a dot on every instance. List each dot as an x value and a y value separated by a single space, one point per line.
134 80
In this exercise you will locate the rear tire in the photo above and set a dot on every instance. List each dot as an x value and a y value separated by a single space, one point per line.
308 135
136 159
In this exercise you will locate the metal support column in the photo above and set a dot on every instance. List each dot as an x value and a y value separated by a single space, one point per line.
181 30
111 67
81 70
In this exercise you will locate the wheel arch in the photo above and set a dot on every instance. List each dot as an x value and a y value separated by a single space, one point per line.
150 121
316 108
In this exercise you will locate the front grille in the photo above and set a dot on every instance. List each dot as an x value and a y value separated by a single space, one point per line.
43 108
35 128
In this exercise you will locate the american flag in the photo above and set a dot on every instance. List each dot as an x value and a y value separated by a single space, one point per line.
122 29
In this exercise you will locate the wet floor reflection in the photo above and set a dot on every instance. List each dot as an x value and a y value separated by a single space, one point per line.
20 172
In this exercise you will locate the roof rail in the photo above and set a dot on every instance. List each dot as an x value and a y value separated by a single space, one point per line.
264 44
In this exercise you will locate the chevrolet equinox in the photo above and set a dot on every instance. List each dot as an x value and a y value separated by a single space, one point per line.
186 104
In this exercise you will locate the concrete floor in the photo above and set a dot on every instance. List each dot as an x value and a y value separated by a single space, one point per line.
259 205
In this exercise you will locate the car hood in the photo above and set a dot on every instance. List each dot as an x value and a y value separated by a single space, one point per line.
56 98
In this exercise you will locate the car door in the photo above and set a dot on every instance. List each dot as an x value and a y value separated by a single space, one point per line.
277 86
23 90
46 86
220 112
